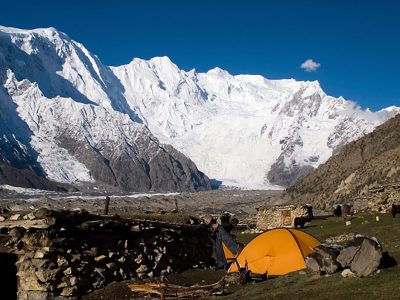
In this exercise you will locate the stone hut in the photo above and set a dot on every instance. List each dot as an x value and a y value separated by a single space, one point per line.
279 216
48 254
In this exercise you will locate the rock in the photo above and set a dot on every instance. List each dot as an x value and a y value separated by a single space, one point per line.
123 274
346 255
31 216
73 281
348 273
40 254
101 272
100 282
69 291
35 295
62 262
62 285
68 271
45 275
16 232
139 258
2 218
75 258
323 259
100 258
142 269
92 251
208 220
362 255
41 264
302 273
367 259
112 266
232 278
32 284
135 228
42 213
158 257
15 217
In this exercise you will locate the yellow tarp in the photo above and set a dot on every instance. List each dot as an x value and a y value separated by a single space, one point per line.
276 252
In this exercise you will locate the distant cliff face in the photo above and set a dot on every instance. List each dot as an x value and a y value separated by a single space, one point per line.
70 118
359 167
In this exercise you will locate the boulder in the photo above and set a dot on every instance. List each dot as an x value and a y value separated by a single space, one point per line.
323 259
362 255
347 254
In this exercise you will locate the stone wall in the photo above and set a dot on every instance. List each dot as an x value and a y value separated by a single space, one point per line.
278 216
64 254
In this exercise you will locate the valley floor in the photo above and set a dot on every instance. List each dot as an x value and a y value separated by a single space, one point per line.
215 201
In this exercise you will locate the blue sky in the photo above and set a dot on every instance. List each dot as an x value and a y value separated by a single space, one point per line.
356 43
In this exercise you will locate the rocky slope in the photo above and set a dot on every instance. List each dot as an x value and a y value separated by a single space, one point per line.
360 172
65 119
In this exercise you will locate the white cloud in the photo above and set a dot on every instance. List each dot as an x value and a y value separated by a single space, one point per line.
310 66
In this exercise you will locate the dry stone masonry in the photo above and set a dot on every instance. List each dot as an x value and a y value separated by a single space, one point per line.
64 254
279 216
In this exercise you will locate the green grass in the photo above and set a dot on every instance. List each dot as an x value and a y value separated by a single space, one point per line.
385 285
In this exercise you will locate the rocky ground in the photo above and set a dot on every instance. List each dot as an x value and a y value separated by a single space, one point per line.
216 201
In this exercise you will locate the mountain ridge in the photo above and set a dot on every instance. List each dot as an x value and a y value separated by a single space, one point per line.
244 130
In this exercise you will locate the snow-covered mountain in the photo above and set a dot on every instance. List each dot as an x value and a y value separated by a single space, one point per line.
244 129
80 121
63 115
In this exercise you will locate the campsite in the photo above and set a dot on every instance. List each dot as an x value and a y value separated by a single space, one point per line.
225 150
305 284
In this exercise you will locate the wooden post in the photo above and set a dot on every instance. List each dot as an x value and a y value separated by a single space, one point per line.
107 204
176 205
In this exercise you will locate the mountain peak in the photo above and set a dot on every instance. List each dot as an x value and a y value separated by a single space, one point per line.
219 71
162 60
41 31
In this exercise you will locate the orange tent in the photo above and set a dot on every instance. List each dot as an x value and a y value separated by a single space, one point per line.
276 252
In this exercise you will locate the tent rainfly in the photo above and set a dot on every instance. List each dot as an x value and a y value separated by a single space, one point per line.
276 252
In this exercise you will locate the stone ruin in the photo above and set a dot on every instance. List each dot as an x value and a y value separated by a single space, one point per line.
49 254
279 216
